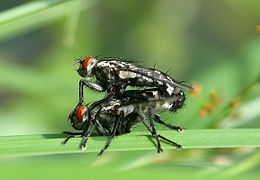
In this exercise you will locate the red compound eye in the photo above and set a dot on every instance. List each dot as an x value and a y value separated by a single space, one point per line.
80 112
86 62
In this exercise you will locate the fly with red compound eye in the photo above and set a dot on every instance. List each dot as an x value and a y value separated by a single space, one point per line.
113 75
113 117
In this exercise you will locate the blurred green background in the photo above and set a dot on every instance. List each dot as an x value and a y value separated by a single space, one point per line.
214 44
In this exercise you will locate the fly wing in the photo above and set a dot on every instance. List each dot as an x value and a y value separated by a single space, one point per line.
151 73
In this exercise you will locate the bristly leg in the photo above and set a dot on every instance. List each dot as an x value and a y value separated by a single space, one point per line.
176 128
71 135
99 127
178 146
89 84
113 133
85 138
154 132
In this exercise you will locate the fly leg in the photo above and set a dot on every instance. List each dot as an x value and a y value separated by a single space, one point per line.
91 85
178 146
176 128
86 135
154 132
113 133
71 135
99 127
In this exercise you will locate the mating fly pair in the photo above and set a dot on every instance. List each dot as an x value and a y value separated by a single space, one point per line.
121 109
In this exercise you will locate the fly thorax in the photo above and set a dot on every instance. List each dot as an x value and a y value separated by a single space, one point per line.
126 74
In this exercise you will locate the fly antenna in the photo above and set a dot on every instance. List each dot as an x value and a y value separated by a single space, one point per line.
77 61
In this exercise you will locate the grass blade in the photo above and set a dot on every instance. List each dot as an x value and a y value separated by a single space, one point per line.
27 145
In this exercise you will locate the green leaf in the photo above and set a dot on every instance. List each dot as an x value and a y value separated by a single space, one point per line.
28 145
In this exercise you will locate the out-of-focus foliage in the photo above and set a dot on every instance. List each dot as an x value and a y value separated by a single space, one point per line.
212 43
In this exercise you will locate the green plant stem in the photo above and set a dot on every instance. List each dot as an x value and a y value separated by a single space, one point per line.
27 145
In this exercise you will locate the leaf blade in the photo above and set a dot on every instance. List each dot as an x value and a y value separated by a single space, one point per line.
29 145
